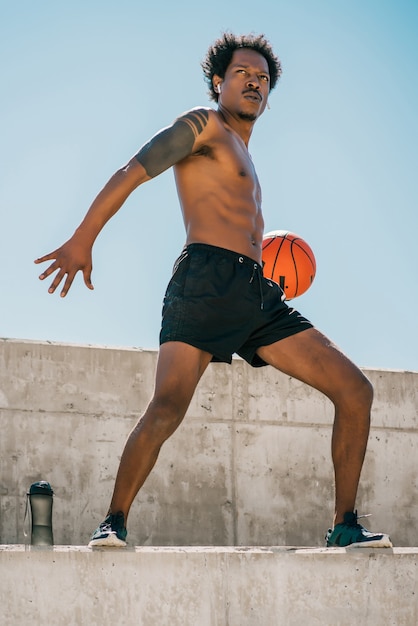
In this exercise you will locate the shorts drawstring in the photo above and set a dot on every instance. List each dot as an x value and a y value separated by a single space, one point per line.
256 268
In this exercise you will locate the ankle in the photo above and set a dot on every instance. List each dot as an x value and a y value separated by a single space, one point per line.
339 518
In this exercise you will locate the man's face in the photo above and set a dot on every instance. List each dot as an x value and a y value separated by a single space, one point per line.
245 88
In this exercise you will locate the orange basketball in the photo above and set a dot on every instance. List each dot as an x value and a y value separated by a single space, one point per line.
289 261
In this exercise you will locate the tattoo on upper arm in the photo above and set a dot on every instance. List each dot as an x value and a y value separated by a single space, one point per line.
197 120
172 144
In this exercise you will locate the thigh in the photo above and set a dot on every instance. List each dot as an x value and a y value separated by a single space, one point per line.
312 358
179 369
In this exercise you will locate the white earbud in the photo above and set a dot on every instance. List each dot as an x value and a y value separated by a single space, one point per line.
218 89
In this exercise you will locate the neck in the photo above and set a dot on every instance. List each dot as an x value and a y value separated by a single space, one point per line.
241 124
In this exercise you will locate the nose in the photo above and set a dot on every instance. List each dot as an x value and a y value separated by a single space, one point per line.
253 83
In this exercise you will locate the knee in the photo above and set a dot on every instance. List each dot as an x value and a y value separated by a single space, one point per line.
365 392
356 395
162 417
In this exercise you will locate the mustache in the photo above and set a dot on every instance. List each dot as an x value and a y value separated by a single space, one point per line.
254 92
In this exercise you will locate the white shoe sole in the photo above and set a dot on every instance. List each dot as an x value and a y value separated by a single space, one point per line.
111 541
384 542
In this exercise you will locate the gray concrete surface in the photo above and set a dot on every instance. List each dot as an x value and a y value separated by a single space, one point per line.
69 586
250 465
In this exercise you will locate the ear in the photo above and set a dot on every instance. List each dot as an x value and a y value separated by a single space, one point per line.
217 81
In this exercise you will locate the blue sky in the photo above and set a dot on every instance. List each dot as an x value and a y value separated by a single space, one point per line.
85 84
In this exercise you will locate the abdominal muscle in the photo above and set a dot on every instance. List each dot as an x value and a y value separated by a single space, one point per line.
228 216
226 230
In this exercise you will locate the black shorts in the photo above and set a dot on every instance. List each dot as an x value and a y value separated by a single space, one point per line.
219 301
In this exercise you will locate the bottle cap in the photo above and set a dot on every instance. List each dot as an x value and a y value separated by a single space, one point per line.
42 487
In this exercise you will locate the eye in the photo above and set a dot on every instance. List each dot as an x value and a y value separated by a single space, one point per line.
265 78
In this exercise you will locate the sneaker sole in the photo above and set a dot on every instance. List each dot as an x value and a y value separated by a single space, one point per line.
384 542
111 541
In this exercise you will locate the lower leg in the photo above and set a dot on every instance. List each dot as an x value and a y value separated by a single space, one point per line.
179 369
349 442
140 454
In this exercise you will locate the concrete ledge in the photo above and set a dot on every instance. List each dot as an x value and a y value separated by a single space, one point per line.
146 586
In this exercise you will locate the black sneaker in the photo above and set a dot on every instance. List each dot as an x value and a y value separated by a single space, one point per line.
351 534
111 532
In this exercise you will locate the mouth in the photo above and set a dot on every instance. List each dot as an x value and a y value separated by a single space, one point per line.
252 96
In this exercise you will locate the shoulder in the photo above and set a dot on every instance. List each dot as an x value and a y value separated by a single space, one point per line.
199 120
198 111
201 116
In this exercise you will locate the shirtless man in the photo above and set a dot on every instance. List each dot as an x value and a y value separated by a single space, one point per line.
218 302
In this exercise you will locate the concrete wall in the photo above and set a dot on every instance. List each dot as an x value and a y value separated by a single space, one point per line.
250 465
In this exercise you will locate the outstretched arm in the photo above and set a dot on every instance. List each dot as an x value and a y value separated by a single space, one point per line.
75 255
166 148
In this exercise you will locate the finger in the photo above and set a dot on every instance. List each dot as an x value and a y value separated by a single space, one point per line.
67 285
58 278
54 266
47 257
87 278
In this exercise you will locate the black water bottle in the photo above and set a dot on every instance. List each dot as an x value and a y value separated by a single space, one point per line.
40 499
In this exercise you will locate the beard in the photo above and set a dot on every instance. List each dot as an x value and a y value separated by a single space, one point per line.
248 117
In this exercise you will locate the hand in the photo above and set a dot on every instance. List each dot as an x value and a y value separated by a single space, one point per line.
69 259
